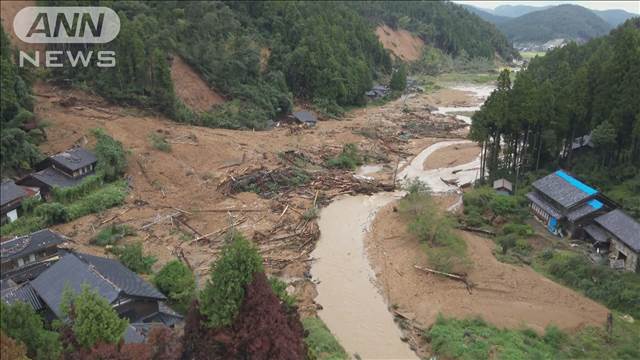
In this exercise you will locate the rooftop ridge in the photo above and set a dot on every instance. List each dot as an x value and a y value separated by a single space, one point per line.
576 183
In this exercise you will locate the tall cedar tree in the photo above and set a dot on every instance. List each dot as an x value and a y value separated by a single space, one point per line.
264 329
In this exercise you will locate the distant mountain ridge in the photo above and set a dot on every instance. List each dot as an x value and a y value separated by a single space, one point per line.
540 24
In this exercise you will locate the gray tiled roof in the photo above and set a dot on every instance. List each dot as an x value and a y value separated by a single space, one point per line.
622 226
550 209
53 177
9 192
560 190
71 272
305 117
580 212
596 233
132 335
75 158
24 245
122 277
22 293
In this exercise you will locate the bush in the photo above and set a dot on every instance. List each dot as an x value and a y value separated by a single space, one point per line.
53 213
349 158
106 197
279 288
73 193
20 322
111 234
178 283
159 142
222 296
619 291
321 342
112 158
132 256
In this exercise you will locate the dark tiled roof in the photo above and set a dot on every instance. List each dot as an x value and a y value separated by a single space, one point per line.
305 117
24 293
71 272
550 209
24 245
583 210
621 226
122 277
564 189
596 233
53 177
9 192
75 158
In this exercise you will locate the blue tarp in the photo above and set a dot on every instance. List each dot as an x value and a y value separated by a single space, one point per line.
576 183
553 224
595 204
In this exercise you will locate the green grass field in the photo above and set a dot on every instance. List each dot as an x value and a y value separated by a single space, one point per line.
528 55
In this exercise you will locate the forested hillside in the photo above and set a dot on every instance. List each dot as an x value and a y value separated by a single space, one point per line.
564 21
261 55
570 92
16 107
445 25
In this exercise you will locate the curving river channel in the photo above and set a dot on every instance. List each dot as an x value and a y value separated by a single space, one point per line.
353 308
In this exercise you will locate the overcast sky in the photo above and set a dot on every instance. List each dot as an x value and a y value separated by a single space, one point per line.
630 6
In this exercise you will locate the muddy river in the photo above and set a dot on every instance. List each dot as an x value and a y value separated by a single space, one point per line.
353 308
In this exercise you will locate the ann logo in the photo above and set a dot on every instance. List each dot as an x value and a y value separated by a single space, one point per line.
72 24
74 28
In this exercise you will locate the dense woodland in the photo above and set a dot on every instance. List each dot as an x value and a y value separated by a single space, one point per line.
260 55
529 124
16 113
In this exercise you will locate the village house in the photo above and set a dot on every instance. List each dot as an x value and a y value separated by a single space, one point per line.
565 204
503 186
305 118
11 196
620 234
129 295
65 169
24 258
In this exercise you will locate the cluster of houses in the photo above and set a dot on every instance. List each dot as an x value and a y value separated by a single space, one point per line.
64 169
569 207
37 268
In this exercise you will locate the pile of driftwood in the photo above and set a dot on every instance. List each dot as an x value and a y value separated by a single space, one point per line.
426 126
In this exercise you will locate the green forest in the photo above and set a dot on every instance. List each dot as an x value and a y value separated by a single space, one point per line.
529 123
323 53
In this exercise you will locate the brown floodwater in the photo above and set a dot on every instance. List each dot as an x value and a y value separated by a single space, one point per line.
353 308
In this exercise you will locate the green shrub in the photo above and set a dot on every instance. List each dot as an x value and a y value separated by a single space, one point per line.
112 158
106 197
132 256
222 296
20 322
279 288
29 204
178 283
619 291
73 193
112 234
349 158
159 142
321 342
53 213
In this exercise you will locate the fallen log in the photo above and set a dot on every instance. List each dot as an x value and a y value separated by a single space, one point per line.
478 230
451 276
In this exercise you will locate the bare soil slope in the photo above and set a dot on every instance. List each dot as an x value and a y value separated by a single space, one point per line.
505 295
191 88
400 42
8 11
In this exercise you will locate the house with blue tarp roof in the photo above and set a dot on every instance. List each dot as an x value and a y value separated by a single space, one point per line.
565 204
